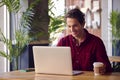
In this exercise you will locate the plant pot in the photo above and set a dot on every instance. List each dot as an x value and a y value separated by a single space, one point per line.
14 64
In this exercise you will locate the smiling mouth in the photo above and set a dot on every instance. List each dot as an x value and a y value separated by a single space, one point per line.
74 33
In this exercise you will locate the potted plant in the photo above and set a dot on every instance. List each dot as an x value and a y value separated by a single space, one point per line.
115 22
16 47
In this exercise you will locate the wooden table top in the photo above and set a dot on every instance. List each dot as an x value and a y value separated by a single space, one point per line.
114 58
86 75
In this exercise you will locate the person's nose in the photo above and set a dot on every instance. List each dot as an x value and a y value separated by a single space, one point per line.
72 29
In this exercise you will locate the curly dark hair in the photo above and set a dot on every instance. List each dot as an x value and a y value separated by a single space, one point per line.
77 14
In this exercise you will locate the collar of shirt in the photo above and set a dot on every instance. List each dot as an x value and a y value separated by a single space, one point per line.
85 41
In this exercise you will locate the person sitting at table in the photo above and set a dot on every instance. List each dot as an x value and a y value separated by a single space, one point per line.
86 48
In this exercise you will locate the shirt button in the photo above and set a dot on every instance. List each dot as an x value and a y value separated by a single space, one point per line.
77 44
77 61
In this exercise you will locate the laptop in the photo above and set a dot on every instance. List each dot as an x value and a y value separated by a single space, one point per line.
53 60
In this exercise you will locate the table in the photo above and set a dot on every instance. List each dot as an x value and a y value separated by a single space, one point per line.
114 58
86 75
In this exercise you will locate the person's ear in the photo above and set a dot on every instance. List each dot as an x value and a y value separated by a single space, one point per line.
83 24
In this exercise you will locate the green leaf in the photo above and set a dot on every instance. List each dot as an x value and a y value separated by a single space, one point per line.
21 36
3 54
115 22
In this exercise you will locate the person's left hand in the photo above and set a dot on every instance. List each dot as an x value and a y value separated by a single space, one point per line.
102 70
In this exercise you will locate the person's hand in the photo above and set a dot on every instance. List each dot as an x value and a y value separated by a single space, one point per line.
102 70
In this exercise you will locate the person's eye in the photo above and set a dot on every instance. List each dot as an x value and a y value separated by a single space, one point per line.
69 26
75 25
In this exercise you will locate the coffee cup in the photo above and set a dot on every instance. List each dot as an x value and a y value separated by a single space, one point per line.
98 68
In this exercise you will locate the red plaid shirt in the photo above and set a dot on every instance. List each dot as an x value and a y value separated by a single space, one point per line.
89 51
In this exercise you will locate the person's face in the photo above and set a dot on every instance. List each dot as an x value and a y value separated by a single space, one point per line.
74 27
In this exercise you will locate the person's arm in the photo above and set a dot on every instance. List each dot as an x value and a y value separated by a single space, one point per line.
101 55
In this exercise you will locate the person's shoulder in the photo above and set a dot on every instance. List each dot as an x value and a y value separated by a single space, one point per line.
64 41
92 36
66 37
95 38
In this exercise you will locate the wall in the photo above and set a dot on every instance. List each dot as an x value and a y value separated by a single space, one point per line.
3 63
116 5
106 28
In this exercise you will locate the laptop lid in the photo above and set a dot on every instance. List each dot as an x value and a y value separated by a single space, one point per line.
52 60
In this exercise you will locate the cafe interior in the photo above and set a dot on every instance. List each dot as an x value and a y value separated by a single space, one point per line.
28 23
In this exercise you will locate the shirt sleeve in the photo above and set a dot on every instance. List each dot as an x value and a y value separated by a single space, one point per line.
101 55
